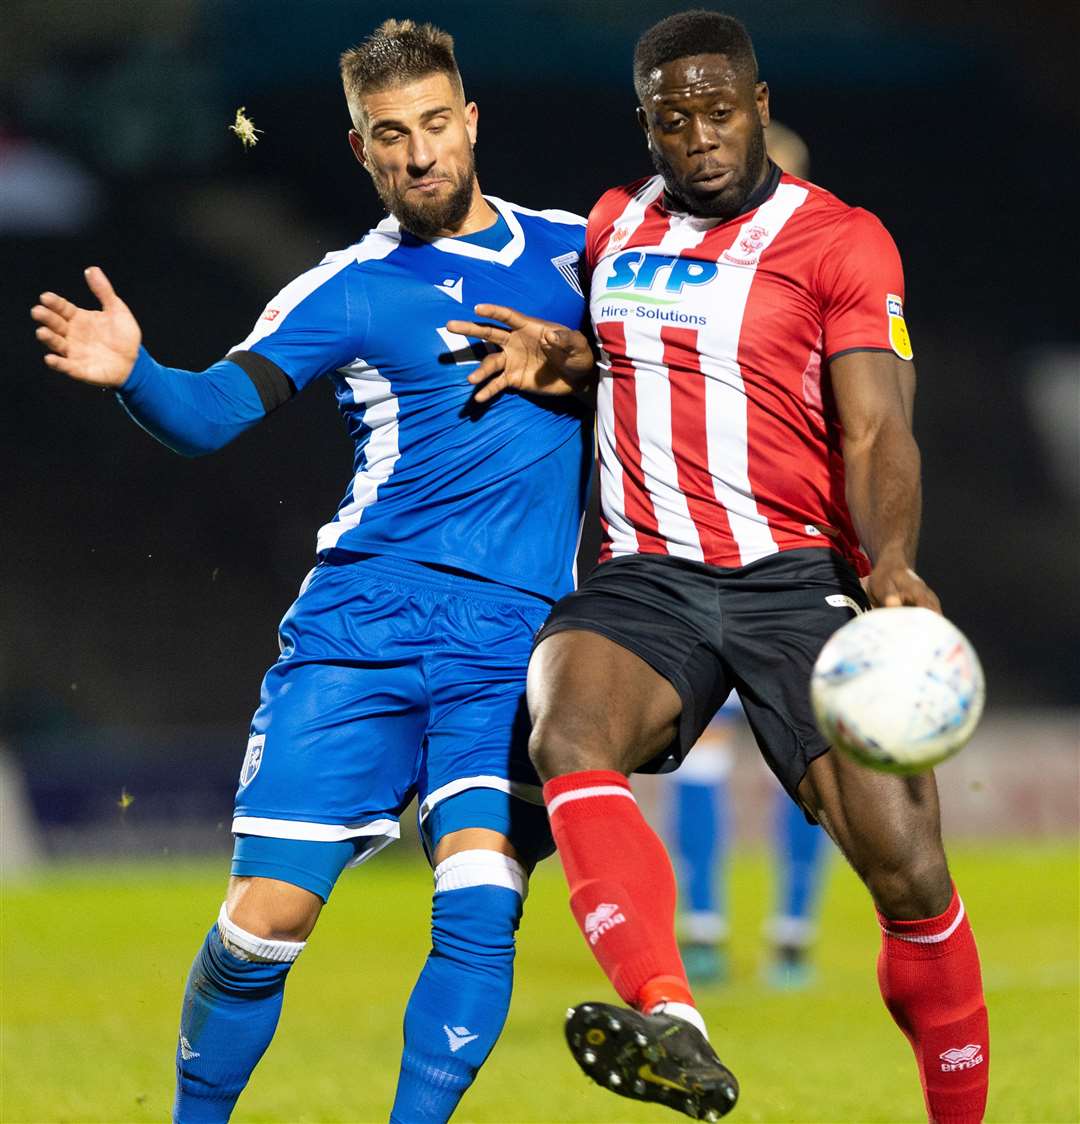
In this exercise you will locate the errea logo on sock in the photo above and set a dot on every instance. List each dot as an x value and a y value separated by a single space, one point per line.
602 919
967 1058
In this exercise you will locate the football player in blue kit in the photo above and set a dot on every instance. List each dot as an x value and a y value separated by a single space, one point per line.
403 660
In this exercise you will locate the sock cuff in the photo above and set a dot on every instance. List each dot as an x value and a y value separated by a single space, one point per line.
481 867
589 784
926 931
247 946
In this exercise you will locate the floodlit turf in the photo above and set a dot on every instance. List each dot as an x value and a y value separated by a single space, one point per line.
94 961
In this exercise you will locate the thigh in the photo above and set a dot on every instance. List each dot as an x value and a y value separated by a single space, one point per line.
624 675
777 615
889 829
334 751
476 773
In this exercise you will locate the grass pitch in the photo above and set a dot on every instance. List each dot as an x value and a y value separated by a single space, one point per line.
94 961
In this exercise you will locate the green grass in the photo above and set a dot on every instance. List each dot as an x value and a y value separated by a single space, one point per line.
94 960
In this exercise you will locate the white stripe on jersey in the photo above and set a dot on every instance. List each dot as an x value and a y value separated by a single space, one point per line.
725 393
633 215
653 392
377 244
552 214
621 534
372 390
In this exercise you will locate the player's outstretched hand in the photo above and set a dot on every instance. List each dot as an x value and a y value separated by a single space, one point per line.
91 346
534 355
895 583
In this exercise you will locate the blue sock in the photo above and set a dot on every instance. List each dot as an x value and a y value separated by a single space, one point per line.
230 1012
800 855
701 836
459 1004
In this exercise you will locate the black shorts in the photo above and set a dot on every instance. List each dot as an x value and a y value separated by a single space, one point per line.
707 630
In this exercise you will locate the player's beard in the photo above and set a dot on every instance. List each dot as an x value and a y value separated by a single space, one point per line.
726 202
426 217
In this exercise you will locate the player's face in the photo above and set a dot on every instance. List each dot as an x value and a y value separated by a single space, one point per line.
705 125
417 144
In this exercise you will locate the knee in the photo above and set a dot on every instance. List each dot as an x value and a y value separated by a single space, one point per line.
558 746
272 910
477 905
910 887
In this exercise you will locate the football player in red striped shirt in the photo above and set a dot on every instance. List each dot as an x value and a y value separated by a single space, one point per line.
756 460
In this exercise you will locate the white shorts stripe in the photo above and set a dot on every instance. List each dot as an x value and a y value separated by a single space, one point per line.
531 793
315 832
586 794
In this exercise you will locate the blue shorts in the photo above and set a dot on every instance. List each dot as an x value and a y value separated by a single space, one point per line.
395 680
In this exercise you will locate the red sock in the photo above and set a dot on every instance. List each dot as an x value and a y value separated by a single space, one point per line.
931 983
622 887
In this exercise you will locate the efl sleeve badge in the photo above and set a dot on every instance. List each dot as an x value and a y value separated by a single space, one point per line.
898 333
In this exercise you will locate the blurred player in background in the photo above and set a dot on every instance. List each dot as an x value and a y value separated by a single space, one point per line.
700 812
756 459
403 660
700 826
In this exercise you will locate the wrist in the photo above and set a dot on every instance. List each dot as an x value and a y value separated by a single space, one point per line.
142 369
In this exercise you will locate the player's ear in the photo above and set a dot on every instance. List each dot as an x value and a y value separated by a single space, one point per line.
356 143
643 122
761 97
472 115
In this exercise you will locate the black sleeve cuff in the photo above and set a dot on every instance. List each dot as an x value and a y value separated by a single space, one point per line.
274 387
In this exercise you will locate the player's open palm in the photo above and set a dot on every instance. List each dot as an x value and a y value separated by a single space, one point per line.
534 355
98 347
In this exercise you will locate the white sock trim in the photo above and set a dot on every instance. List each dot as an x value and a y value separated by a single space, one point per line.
794 932
586 793
934 938
247 946
682 1011
481 867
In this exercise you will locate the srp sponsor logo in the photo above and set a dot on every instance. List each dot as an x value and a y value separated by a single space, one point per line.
643 273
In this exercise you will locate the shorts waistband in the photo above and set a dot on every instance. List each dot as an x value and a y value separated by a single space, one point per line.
405 571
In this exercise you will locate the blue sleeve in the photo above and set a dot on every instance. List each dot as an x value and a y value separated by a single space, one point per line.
314 325
191 412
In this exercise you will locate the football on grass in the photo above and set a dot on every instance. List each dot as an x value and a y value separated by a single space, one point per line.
898 689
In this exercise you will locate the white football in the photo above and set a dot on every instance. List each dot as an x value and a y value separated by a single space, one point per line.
898 689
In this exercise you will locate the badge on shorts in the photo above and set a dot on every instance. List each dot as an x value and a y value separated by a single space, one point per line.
252 759
898 333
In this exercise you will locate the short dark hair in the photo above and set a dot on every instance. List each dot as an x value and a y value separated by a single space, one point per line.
697 32
397 51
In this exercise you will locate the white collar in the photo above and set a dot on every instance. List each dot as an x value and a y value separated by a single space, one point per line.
506 256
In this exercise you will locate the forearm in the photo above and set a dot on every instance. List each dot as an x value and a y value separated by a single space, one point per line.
884 493
191 412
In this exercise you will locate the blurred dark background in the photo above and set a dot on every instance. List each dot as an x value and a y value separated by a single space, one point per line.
141 591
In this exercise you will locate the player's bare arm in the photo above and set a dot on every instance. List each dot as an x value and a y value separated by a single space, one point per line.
538 356
95 346
874 392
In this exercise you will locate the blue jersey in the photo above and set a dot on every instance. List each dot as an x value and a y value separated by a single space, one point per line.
496 491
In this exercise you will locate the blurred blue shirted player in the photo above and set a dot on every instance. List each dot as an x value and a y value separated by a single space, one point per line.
700 821
403 660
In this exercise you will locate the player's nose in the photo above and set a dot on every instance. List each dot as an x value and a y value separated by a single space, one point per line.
701 136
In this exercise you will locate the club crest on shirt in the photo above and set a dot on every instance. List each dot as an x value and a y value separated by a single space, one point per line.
898 333
567 264
252 759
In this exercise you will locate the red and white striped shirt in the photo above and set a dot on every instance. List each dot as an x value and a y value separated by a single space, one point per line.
718 438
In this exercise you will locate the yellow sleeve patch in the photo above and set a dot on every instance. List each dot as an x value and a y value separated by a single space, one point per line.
898 333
